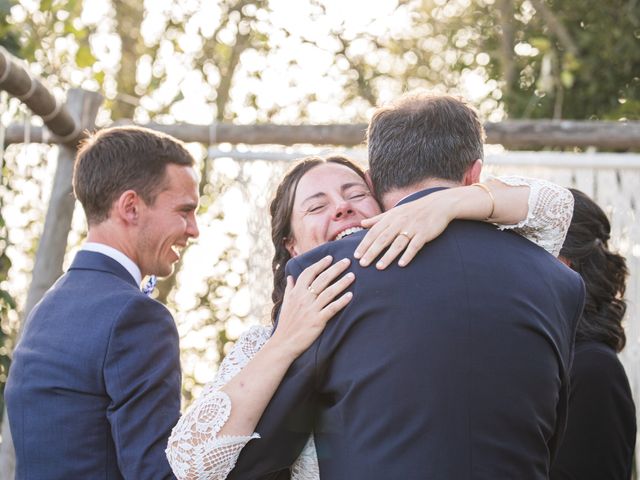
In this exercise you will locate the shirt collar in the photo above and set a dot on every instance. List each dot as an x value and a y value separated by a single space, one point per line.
419 194
118 256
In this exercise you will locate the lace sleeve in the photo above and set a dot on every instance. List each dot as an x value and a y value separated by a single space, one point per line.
195 451
549 215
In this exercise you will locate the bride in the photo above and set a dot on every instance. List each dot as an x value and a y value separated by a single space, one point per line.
319 201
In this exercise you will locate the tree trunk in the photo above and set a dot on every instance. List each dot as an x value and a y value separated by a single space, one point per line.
129 15
556 26
509 70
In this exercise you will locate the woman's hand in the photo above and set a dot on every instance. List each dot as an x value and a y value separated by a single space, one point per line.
406 228
310 302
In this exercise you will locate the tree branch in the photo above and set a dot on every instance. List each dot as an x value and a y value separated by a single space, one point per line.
556 26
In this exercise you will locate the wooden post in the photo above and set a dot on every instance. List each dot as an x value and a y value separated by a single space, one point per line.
17 81
83 106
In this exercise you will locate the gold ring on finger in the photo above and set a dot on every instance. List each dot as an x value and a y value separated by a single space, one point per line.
310 288
405 234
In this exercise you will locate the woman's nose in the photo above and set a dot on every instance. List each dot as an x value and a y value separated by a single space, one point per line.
343 209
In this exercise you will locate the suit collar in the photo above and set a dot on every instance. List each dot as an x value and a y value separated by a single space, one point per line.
416 195
118 256
87 260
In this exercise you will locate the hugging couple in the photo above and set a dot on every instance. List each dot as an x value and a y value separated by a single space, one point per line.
433 345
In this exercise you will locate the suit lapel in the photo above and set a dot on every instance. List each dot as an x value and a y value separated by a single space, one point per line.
86 260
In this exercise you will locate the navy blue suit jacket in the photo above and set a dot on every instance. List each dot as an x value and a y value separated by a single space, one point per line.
454 367
94 387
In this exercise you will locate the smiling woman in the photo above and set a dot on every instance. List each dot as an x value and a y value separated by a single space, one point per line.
321 214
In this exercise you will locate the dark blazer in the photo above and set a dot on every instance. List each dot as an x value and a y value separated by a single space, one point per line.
601 431
94 387
454 367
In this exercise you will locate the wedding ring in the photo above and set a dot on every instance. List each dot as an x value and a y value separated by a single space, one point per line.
310 288
406 234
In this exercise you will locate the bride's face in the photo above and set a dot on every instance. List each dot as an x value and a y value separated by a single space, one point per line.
330 201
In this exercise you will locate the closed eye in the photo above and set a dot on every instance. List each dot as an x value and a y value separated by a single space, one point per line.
315 208
357 195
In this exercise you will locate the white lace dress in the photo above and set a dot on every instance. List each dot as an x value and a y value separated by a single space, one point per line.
196 451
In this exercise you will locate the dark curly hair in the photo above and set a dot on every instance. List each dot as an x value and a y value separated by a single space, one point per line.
604 273
281 208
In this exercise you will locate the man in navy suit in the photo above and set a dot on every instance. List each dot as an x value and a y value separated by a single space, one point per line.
454 367
94 387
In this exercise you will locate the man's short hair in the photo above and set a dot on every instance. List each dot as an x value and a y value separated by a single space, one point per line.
422 136
114 160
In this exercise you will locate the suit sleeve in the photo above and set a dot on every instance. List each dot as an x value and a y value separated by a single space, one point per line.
142 378
563 404
287 422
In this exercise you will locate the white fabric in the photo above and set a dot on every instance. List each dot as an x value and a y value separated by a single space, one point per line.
118 256
195 451
549 214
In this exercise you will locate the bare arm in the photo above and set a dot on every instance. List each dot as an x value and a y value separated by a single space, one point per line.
208 438
407 228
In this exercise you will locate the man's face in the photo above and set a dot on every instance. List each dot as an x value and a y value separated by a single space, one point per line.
166 226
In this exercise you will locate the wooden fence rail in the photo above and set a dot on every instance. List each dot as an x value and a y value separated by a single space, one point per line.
513 134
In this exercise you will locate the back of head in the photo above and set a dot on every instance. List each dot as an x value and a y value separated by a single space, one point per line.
114 160
421 137
603 271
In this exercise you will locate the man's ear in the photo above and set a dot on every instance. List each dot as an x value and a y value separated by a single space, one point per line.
472 175
127 207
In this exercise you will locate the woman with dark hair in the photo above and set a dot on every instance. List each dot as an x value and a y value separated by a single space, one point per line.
601 429
321 200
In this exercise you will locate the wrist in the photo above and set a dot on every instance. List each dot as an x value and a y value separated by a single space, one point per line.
457 202
281 349
489 197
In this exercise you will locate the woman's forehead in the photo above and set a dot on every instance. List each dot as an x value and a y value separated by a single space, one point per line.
324 178
329 174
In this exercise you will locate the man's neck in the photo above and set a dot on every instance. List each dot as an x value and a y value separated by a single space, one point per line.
107 235
391 198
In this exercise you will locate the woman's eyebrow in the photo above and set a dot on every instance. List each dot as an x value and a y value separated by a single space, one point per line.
313 197
347 186
343 187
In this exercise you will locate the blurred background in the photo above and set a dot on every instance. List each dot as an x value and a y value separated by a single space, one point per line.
298 62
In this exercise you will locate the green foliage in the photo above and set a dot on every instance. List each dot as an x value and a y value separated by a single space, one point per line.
7 302
8 37
84 57
37 38
596 81
568 58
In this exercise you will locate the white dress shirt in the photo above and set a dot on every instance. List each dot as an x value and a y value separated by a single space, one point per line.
118 256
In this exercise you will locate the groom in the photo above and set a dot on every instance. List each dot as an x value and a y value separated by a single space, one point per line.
452 368
94 387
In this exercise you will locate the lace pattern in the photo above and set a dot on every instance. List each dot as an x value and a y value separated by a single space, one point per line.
195 450
549 215
306 466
